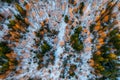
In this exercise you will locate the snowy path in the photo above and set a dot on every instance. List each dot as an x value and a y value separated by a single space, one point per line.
86 54
60 49
61 37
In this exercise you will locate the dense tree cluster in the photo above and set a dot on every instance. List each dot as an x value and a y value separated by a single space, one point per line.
7 62
105 56
75 40
44 48
4 49
18 25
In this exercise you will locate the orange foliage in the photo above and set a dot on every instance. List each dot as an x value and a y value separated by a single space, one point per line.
114 15
75 10
11 55
18 27
91 62
26 20
103 34
42 32
98 46
46 20
85 30
98 53
115 22
102 43
11 67
42 24
2 76
100 40
103 11
71 12
97 17
62 43
106 18
27 6
19 71
98 23
97 28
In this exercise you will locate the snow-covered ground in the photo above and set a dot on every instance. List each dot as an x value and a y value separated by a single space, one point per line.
54 11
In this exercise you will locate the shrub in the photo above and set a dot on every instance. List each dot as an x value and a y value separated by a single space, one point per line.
81 6
4 68
4 59
92 27
73 2
4 49
45 47
11 23
78 30
66 19
113 32
72 69
116 41
20 9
